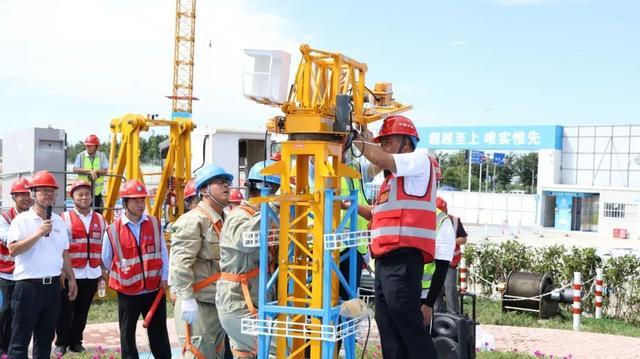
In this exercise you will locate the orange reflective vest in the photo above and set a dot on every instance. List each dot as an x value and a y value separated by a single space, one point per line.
135 267
7 263
400 220
85 247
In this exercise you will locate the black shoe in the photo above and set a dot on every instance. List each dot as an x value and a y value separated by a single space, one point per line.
60 350
77 348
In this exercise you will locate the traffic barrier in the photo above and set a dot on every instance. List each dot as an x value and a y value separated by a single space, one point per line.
599 284
577 294
463 275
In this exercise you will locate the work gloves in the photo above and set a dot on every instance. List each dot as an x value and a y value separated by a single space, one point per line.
189 310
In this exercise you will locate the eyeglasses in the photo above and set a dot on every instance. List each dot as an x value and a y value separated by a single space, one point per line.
220 180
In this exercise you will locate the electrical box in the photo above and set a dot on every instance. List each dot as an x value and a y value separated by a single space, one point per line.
28 151
266 77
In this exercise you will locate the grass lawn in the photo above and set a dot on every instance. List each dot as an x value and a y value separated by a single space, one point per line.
490 312
104 311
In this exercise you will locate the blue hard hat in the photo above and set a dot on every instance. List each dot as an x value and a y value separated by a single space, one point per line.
206 173
254 173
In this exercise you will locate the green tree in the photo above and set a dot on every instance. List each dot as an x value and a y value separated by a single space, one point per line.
526 168
149 149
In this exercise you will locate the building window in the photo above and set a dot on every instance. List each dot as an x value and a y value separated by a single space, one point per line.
620 210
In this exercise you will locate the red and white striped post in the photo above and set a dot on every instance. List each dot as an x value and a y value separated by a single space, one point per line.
463 275
577 294
599 284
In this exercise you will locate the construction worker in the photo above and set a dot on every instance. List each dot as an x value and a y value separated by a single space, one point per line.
135 254
38 240
87 230
444 233
22 200
235 198
92 165
195 267
450 284
190 198
403 225
237 295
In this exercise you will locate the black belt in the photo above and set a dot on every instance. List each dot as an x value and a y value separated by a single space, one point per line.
43 281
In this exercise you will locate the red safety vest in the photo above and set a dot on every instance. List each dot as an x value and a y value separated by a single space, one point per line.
400 220
457 254
85 247
7 263
135 268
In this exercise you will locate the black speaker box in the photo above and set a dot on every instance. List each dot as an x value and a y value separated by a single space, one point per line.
454 335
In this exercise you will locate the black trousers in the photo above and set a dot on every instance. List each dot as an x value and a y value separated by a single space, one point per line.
130 307
73 315
35 311
398 285
344 269
6 286
97 203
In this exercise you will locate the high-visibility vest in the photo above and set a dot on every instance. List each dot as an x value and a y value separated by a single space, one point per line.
347 185
430 267
7 262
400 220
85 247
94 164
135 267
457 253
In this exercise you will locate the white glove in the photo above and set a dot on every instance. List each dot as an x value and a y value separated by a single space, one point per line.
189 310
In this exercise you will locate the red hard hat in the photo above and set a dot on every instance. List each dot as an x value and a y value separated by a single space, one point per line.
133 189
436 167
441 204
43 179
92 140
190 189
276 156
21 185
78 184
235 196
397 125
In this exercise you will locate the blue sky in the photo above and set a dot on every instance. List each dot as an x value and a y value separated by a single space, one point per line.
77 64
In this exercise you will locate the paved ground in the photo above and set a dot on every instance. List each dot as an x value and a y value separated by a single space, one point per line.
559 343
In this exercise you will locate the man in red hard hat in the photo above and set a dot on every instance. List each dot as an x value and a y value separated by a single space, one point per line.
91 165
87 229
450 292
403 239
22 199
235 198
190 198
39 242
135 253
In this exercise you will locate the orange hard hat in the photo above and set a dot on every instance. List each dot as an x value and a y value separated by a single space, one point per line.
235 196
79 184
190 189
92 140
397 125
21 185
43 179
133 189
441 204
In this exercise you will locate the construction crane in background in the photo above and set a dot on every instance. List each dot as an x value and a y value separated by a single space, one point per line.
327 101
125 131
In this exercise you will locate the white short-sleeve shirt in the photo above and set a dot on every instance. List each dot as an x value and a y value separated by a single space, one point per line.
44 258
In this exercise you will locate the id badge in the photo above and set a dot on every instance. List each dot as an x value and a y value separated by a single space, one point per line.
95 235
150 248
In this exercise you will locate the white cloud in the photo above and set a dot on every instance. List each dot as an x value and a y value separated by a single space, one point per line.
77 64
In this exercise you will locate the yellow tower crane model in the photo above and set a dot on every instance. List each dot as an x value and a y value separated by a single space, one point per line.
125 131
328 100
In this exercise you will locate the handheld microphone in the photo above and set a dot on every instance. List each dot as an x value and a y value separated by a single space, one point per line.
48 210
